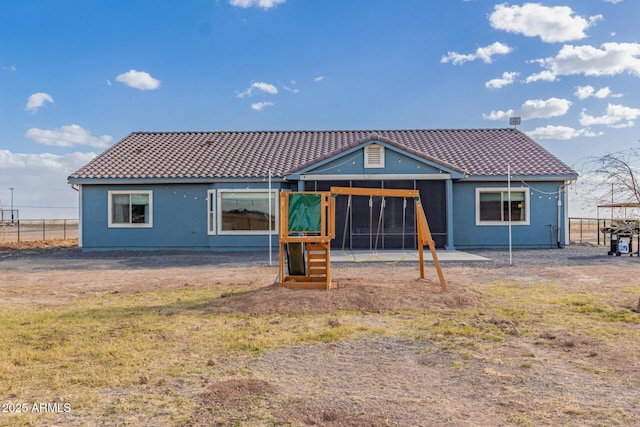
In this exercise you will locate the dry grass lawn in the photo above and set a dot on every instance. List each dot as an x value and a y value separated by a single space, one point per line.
222 346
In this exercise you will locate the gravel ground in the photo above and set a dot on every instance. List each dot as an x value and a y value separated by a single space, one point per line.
75 259
570 255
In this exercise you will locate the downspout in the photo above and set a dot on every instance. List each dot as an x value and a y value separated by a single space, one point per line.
449 186
560 195
78 188
270 239
509 204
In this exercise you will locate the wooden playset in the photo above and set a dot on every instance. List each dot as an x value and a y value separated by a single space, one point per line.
307 226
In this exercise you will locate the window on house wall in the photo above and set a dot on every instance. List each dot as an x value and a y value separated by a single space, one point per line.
493 207
130 208
246 212
211 211
374 156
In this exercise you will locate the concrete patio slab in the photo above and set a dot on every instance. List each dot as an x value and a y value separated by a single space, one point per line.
404 256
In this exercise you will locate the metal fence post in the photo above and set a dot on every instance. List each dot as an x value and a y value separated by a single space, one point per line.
584 227
581 233
570 221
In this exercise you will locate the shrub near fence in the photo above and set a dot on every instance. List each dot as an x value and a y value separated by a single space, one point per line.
38 229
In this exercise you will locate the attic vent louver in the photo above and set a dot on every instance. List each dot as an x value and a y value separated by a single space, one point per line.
374 156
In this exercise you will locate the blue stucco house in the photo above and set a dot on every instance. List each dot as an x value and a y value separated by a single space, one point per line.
218 191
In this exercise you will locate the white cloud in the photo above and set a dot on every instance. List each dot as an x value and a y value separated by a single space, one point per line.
584 92
258 106
546 76
605 92
263 4
506 79
65 163
318 79
560 132
499 115
616 116
40 180
37 100
612 1
291 89
67 136
611 59
486 54
9 68
534 109
138 80
551 24
267 88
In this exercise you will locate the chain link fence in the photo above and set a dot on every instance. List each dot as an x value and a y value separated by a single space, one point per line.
581 230
592 230
24 230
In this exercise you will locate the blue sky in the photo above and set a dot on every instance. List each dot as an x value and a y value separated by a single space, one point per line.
78 75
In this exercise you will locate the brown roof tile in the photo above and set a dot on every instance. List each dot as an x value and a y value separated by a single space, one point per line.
474 152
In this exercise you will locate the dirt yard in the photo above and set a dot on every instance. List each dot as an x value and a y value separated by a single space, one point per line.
499 351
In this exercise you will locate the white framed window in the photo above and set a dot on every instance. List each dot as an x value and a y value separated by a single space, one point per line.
374 156
130 209
211 211
492 206
247 211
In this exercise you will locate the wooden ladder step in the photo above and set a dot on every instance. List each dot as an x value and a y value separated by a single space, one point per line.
318 261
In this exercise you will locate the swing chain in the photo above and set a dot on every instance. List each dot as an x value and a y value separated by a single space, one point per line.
383 204
346 221
380 216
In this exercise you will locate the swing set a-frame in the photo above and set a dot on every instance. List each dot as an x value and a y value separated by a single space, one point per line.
307 227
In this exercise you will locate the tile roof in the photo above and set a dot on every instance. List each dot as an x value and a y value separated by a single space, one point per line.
184 155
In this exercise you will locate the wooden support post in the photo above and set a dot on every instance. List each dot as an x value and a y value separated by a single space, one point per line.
284 216
328 247
281 274
421 254
425 238
332 217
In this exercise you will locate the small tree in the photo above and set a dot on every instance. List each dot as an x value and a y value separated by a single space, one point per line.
614 173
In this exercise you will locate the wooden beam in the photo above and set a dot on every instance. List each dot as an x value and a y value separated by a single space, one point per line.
284 219
353 191
281 277
424 237
313 239
331 212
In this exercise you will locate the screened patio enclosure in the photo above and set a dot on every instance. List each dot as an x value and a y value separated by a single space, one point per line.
370 224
